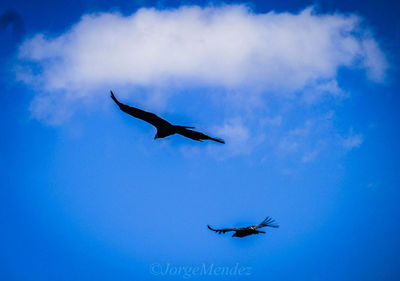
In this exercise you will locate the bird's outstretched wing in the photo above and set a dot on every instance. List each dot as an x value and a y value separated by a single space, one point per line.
194 135
141 114
270 222
224 230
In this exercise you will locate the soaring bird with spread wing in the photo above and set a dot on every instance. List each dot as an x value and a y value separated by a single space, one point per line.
164 128
245 231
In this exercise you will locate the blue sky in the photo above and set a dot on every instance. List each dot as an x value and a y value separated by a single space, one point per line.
306 97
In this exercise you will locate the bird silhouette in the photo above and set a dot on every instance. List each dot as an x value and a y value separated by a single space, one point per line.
245 231
164 128
13 19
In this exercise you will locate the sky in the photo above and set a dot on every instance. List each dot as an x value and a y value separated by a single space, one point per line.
304 93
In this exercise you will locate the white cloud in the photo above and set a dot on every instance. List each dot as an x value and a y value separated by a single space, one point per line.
310 156
271 121
374 60
312 94
238 137
296 138
352 141
228 47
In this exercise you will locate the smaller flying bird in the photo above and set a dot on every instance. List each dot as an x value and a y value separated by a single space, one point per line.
164 128
13 19
245 231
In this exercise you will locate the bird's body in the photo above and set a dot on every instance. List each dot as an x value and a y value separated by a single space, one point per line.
164 128
246 231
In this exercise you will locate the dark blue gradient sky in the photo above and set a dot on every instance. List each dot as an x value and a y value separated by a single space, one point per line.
96 198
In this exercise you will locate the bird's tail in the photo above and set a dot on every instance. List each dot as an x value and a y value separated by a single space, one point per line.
269 222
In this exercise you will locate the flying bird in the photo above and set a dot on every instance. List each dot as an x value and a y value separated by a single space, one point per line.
13 19
245 231
164 128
